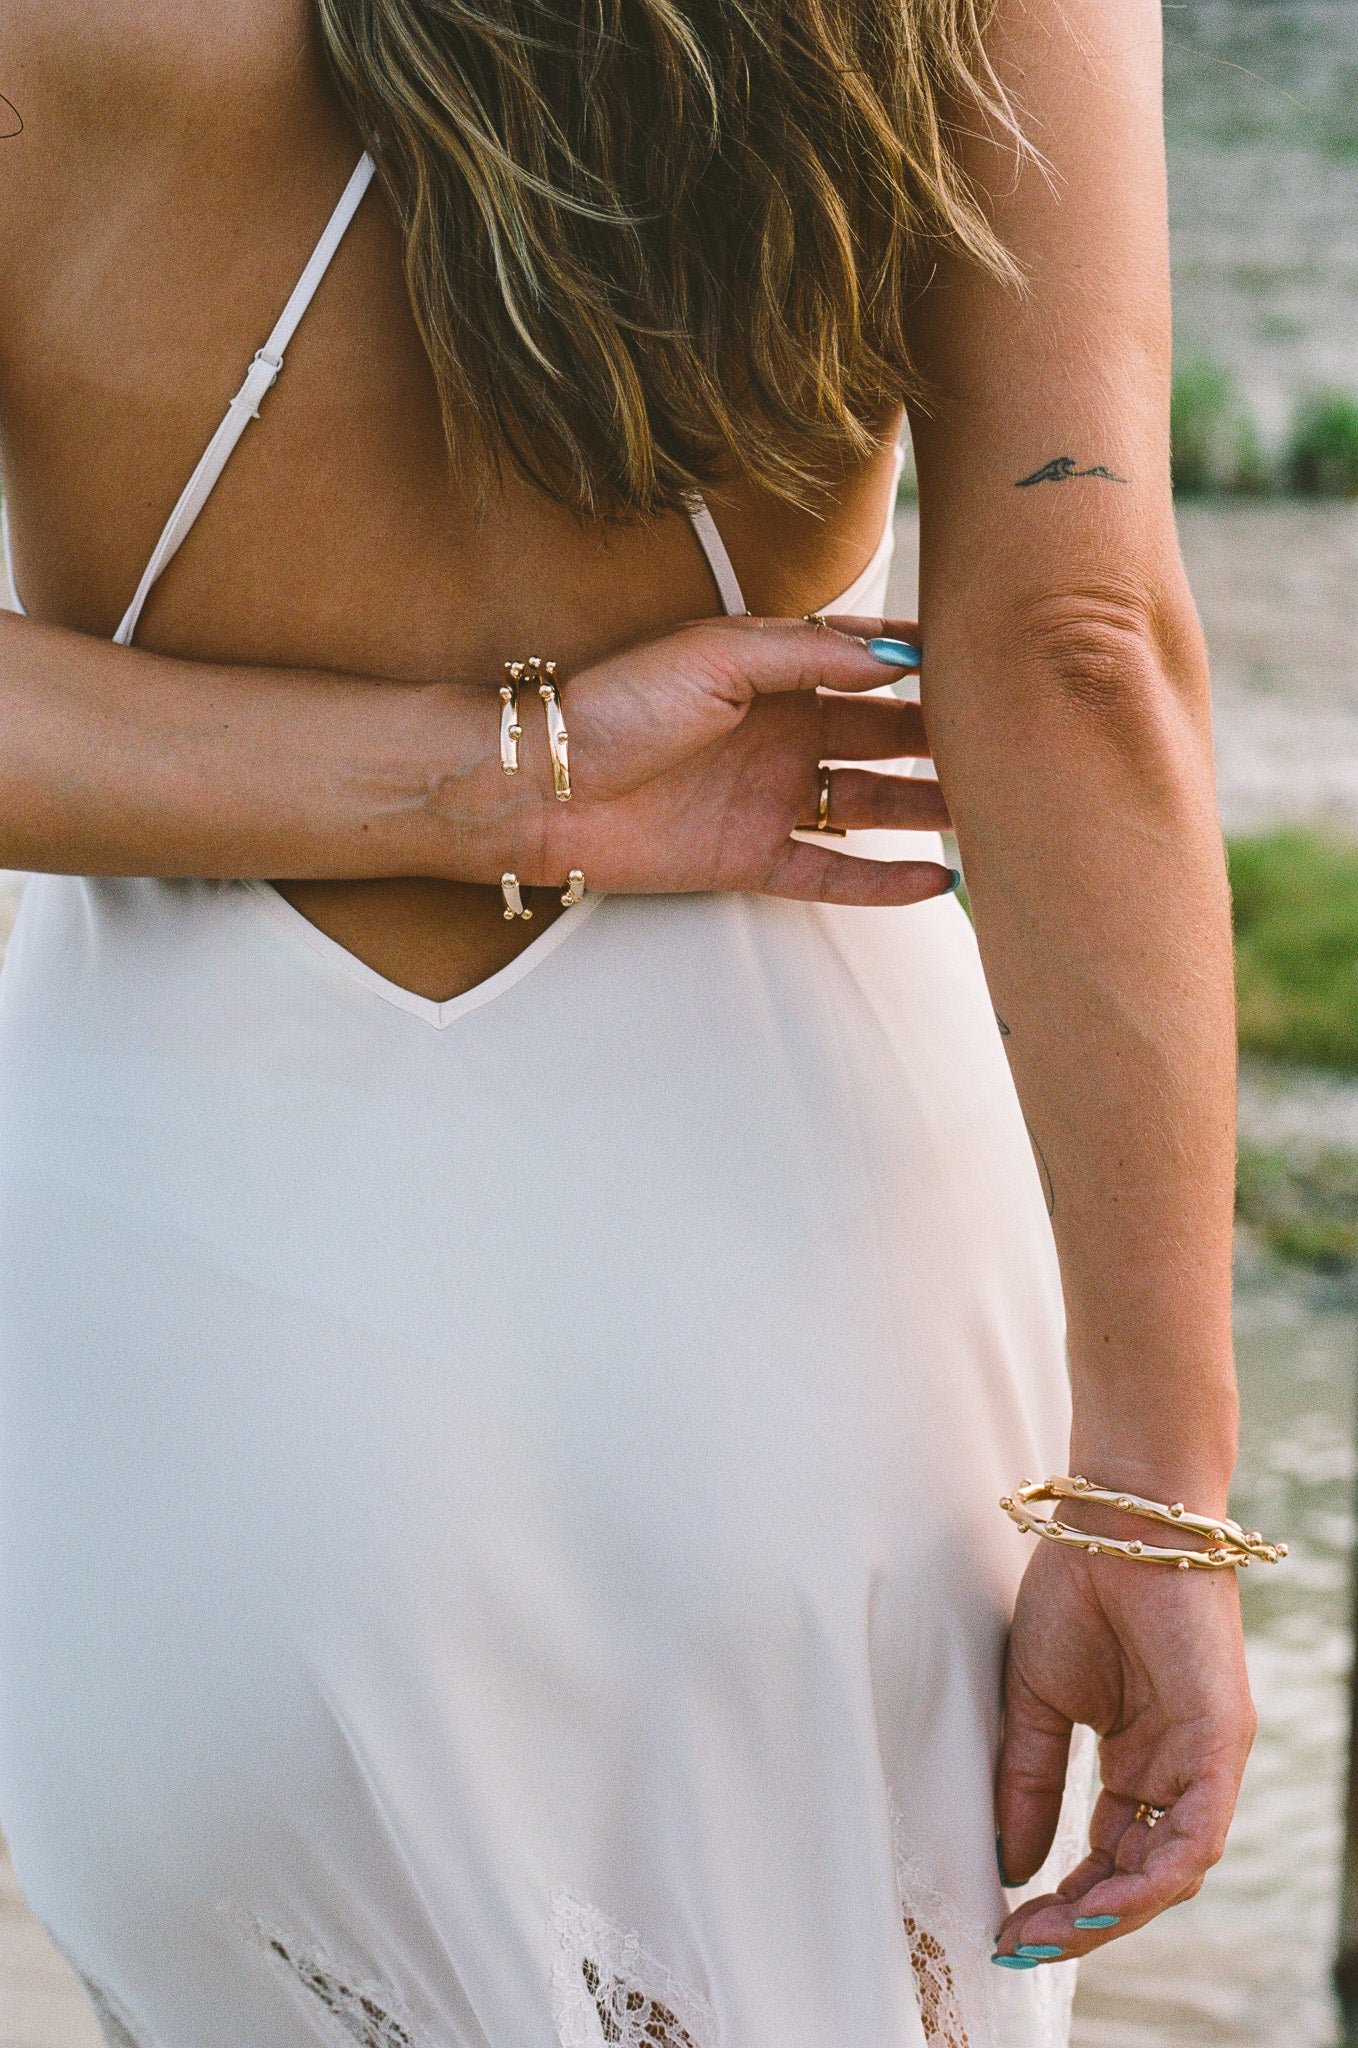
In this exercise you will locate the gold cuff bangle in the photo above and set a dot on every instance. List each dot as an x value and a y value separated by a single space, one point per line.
511 732
1229 1546
544 674
509 889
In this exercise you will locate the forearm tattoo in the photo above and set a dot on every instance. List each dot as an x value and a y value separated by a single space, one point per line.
1061 469
1044 1171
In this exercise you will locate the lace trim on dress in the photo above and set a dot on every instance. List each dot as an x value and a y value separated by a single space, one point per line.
934 1988
963 2001
606 1988
363 2012
949 1957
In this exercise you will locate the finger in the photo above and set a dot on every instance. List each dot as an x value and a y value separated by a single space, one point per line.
882 634
1145 1872
860 627
1030 1780
863 802
810 874
871 729
746 657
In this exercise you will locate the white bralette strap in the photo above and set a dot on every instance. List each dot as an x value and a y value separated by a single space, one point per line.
7 547
244 407
718 561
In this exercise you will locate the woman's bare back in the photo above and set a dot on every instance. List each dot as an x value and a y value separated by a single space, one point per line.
172 173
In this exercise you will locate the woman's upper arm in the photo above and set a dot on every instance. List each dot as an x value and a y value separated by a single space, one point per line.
1043 447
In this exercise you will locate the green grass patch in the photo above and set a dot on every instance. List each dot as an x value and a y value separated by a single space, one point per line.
1214 445
1296 947
1305 1211
1322 454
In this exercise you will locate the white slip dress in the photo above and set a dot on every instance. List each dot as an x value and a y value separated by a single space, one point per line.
499 1542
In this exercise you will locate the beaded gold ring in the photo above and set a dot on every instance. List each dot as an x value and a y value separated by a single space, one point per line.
1230 1547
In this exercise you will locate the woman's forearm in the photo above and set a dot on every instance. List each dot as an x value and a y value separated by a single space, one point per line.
115 761
1075 754
1067 704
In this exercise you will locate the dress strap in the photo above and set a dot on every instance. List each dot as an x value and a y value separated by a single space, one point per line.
244 407
718 561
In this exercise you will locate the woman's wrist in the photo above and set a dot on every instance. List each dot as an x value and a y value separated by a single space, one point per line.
473 821
1175 1464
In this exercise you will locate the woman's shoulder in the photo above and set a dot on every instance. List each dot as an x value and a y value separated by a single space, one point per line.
119 117
111 63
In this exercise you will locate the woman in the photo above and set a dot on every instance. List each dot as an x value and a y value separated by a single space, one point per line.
503 1420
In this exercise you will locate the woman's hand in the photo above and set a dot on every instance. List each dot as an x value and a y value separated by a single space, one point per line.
694 758
1153 1659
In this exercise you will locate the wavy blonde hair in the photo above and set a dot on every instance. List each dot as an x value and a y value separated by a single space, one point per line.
653 244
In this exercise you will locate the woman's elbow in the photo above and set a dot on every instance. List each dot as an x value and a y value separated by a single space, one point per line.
1128 670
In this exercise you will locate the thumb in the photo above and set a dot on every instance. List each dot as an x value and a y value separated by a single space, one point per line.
1031 1779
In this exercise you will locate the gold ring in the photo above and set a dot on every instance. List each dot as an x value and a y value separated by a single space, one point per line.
816 619
822 824
1152 1815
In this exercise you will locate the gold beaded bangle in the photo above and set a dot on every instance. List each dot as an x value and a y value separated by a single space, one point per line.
1230 1546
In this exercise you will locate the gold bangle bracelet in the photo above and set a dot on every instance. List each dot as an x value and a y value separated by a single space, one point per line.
1229 1546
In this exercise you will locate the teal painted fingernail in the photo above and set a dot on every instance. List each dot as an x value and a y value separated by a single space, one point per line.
1042 1951
955 884
896 653
1007 1882
1099 1920
1014 1962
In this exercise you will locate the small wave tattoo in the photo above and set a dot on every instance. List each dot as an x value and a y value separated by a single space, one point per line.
8 134
1061 469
